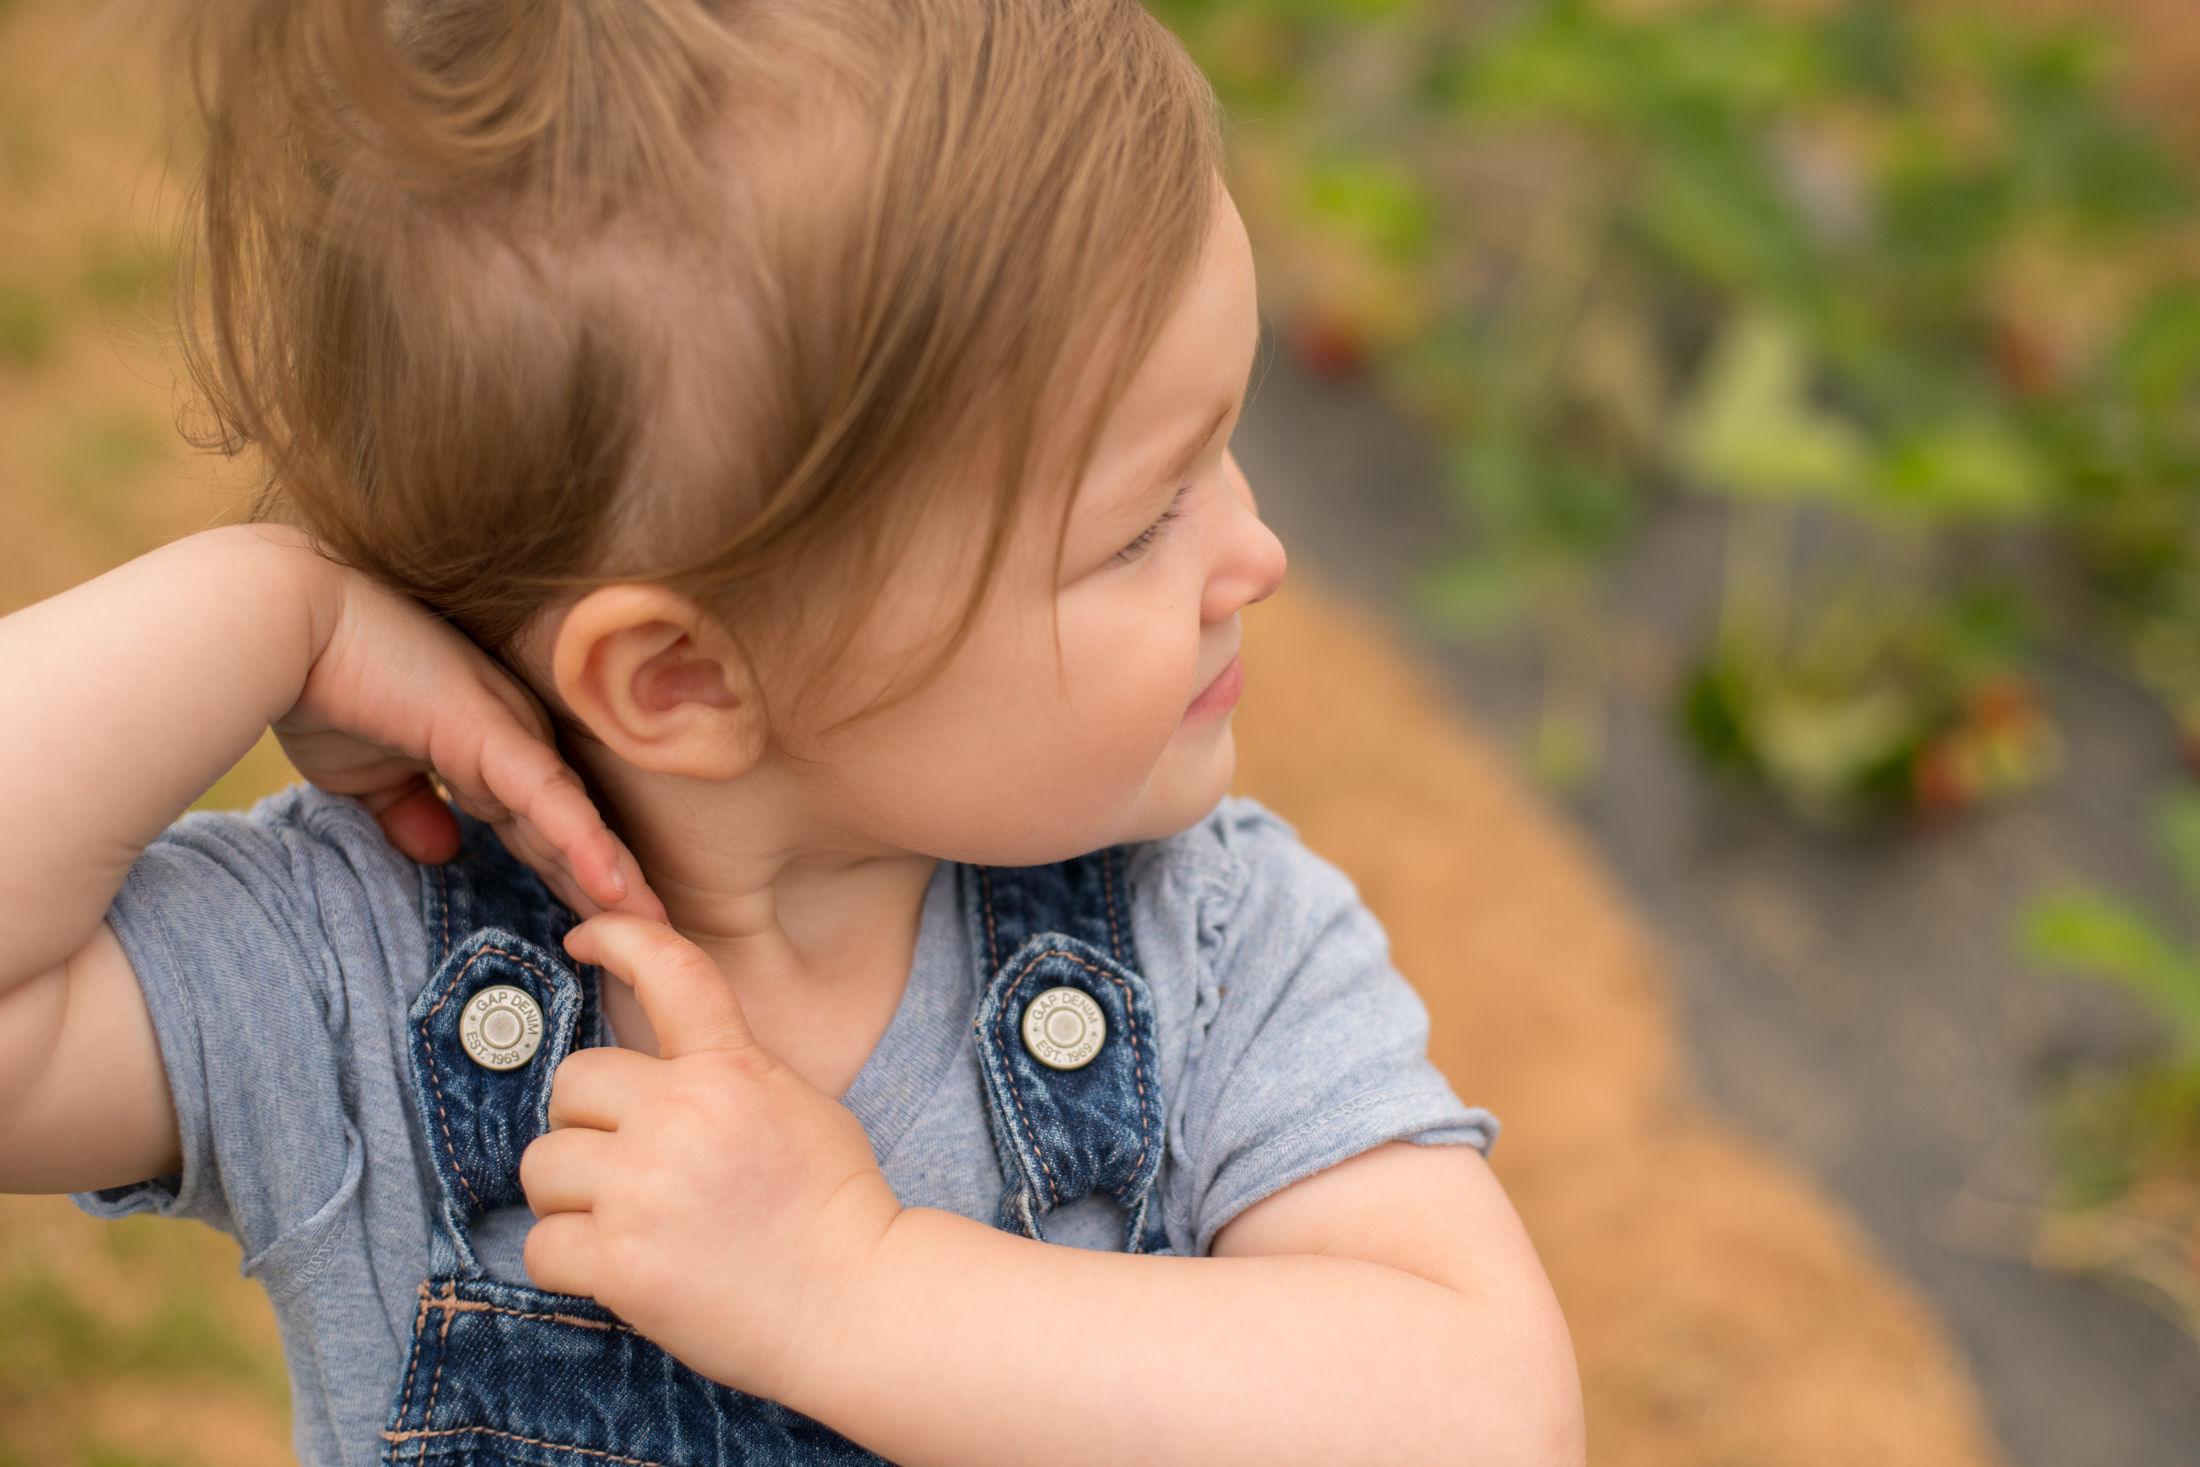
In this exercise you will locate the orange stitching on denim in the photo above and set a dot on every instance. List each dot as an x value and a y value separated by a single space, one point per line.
1015 1092
442 1354
420 1328
577 1322
1107 891
525 1441
455 1305
435 1079
992 941
1138 1076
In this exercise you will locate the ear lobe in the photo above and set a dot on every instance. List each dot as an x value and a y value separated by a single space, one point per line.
659 682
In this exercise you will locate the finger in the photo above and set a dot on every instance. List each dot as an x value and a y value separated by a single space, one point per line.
530 846
521 776
416 820
688 1001
563 1254
595 1087
564 1171
544 860
516 774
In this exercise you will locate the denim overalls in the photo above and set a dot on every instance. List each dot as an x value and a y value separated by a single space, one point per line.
502 1373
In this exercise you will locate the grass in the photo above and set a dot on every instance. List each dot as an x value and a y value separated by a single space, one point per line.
95 1315
131 1344
29 325
98 460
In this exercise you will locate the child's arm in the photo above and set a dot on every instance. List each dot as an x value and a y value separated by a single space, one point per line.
130 695
1390 1309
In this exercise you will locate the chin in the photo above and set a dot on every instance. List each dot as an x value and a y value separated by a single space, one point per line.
1179 798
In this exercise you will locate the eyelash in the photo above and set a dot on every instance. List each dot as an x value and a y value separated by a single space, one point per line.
1152 532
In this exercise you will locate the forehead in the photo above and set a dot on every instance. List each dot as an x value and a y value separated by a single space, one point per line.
1193 375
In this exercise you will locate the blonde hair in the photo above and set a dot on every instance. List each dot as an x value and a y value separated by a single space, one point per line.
520 296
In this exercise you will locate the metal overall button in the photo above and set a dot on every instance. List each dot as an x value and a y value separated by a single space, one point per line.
501 1028
1064 1029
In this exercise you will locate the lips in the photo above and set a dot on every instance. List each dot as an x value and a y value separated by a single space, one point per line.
1220 696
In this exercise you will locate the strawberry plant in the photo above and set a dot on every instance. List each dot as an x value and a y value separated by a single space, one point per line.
2128 1141
1902 288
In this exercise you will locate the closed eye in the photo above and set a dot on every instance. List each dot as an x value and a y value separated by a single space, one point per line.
1152 532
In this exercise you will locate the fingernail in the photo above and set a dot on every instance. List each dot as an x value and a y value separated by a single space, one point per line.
618 882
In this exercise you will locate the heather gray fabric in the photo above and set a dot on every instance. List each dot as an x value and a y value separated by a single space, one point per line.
279 952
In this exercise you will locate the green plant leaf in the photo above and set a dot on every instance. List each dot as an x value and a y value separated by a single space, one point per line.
1377 201
1972 470
2089 933
1751 431
2158 361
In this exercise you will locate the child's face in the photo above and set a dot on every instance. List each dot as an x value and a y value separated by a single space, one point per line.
1092 706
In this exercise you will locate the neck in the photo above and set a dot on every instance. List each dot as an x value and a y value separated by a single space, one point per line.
813 928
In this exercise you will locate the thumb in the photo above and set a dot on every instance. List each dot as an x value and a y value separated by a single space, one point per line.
688 1001
416 820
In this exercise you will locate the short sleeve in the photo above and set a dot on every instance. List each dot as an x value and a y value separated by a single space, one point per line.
249 935
1312 1048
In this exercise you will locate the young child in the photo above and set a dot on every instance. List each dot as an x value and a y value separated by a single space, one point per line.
797 429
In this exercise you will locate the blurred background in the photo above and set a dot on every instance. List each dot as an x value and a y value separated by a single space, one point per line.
1775 426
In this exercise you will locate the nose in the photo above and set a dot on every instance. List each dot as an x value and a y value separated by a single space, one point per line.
1252 562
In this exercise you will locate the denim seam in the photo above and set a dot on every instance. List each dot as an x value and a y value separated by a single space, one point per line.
451 1304
1137 1070
525 1441
1107 892
992 939
442 1356
412 1370
427 1042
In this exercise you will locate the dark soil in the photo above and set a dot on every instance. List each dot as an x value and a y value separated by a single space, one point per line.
1853 1001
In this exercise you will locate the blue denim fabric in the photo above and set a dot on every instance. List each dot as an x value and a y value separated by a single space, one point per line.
1064 1135
503 1373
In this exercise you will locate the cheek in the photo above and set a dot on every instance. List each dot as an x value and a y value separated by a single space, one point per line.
1017 756
1131 663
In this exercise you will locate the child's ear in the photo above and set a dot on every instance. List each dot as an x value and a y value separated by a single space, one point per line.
660 681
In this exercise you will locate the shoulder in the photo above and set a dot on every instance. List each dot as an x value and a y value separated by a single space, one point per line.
291 847
1242 879
296 833
1240 848
304 878
1304 1045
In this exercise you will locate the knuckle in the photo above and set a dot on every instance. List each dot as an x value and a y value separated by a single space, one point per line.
676 957
577 1069
534 1162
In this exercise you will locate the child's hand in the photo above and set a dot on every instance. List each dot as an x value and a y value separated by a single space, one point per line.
713 1198
396 693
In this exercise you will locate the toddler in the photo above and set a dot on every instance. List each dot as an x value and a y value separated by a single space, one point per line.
798 431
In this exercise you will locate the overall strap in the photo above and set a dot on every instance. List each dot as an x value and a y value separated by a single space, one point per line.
1087 898
1072 1087
491 925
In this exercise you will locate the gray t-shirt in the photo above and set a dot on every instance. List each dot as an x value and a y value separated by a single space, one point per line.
280 950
